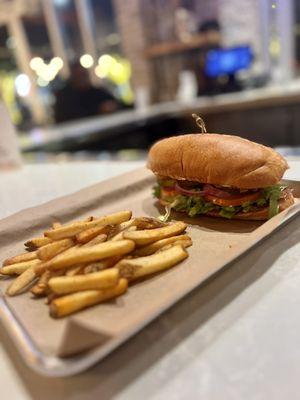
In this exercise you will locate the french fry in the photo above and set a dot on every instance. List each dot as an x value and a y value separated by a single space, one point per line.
41 268
20 258
98 239
21 282
80 255
77 269
35 243
134 224
89 234
52 249
73 229
141 238
121 227
153 247
98 280
120 235
19 268
148 223
183 243
86 262
50 297
56 224
41 287
139 267
100 265
71 303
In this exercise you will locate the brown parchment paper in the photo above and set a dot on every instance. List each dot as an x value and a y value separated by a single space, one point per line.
216 242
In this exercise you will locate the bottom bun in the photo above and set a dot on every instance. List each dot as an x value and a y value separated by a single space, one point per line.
260 215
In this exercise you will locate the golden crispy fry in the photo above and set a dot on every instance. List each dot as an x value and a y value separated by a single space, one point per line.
153 247
52 249
50 297
76 270
32 255
119 236
41 268
56 224
73 229
41 287
19 268
100 265
97 280
98 239
35 243
134 224
21 282
142 266
71 303
89 234
80 255
148 223
183 243
121 227
141 238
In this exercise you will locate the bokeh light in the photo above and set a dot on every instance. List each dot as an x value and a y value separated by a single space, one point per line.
86 61
36 63
22 85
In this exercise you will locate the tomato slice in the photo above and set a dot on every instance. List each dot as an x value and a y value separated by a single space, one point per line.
168 192
234 201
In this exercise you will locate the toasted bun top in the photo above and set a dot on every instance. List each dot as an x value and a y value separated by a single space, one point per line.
217 159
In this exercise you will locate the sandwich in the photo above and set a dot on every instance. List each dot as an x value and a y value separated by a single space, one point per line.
220 176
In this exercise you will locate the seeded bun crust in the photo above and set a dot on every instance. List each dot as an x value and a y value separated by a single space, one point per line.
218 160
261 215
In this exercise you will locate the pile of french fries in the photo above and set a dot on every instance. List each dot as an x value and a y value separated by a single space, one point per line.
83 263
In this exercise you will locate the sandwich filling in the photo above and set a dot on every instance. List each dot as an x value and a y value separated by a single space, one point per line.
195 198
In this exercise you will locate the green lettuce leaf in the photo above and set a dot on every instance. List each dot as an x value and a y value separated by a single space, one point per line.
156 191
272 194
197 205
167 182
228 212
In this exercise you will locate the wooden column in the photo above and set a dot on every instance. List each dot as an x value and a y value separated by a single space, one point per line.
23 56
86 24
55 35
133 39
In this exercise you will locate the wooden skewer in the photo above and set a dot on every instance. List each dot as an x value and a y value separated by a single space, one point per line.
199 121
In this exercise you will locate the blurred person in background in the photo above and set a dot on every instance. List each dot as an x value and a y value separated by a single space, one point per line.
207 85
79 99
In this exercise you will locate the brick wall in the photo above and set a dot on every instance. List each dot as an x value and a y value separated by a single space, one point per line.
130 25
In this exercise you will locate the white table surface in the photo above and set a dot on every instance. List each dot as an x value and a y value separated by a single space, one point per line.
235 338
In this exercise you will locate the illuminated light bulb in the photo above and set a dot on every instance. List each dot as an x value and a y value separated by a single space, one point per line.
42 82
36 63
86 61
100 72
273 6
57 62
106 61
22 84
116 70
